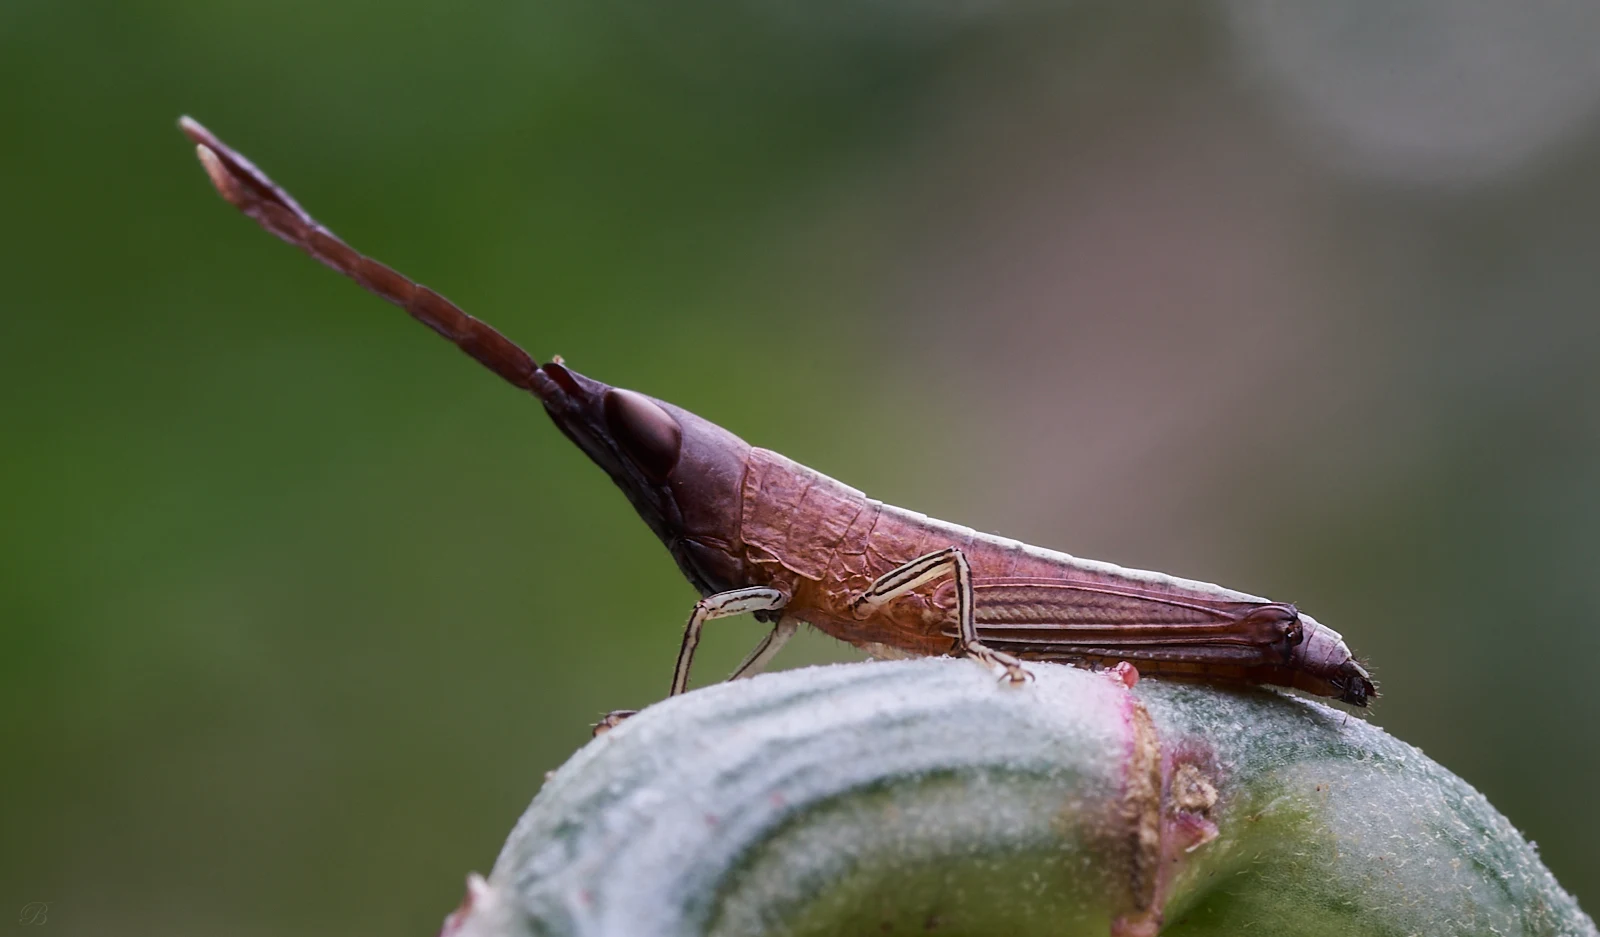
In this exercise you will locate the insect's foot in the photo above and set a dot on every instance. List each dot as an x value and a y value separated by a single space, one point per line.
1016 675
611 720
1010 670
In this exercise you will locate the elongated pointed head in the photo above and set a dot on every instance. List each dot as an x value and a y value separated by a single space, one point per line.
683 474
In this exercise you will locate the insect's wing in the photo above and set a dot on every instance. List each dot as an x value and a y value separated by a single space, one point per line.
1070 620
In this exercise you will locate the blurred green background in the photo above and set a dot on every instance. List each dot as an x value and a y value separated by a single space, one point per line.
299 604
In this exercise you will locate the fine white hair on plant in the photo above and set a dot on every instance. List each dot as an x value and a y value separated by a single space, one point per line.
921 796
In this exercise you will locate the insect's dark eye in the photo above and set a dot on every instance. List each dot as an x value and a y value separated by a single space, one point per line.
646 432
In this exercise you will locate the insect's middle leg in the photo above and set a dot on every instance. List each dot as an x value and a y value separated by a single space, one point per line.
926 569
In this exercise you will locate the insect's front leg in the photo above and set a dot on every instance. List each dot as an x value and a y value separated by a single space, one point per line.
721 605
925 569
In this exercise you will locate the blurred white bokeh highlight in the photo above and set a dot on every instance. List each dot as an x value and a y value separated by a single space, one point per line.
1428 92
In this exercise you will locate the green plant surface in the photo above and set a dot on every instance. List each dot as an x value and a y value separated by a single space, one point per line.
921 796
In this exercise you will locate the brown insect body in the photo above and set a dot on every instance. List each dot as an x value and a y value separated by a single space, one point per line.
755 531
825 543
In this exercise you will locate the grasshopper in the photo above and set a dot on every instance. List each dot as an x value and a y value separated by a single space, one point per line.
756 532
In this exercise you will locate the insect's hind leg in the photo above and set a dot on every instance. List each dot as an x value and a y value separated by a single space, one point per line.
925 569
